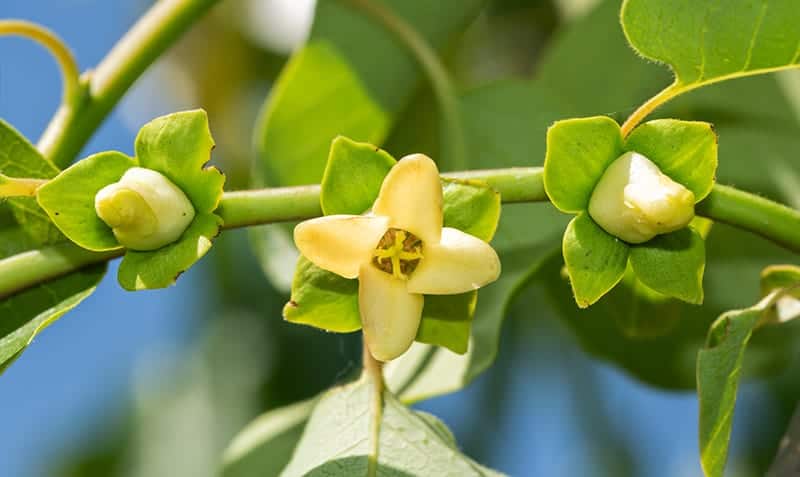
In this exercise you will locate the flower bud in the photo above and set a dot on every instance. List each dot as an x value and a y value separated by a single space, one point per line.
144 209
635 201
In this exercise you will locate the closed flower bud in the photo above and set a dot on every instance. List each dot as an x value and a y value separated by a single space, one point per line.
635 201
145 210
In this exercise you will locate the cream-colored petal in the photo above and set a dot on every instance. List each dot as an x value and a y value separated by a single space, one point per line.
457 264
411 196
340 243
389 313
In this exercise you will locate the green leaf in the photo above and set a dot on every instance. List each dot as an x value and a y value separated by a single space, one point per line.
472 207
19 158
179 145
323 299
337 439
706 42
265 446
26 314
316 98
69 199
383 63
160 268
353 176
595 260
672 264
719 367
686 151
447 320
578 152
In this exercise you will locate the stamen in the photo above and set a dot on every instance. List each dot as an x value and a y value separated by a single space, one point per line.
398 253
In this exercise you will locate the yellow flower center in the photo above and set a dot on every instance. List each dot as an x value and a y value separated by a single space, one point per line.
398 253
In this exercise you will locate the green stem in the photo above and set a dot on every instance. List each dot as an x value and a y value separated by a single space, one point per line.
254 207
66 61
157 30
454 147
373 370
27 269
773 221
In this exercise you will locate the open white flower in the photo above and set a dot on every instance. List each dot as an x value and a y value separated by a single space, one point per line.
399 252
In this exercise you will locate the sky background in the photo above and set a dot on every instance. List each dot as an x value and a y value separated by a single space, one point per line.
79 374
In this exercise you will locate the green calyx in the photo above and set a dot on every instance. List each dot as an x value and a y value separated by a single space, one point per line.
634 198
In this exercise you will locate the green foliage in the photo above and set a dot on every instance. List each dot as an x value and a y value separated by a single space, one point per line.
69 199
29 312
672 264
578 152
353 175
686 151
325 300
719 367
712 41
337 439
595 259
265 446
179 145
316 98
322 299
161 268
19 158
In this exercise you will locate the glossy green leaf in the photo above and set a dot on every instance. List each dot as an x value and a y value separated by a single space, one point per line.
705 42
595 260
447 320
317 98
686 151
69 198
383 63
323 299
160 268
719 367
353 176
26 314
672 264
578 152
337 439
179 145
472 207
265 446
19 158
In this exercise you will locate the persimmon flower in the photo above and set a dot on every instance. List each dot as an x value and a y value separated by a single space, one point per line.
399 252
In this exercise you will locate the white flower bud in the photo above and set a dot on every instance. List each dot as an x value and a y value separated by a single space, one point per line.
635 201
144 209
